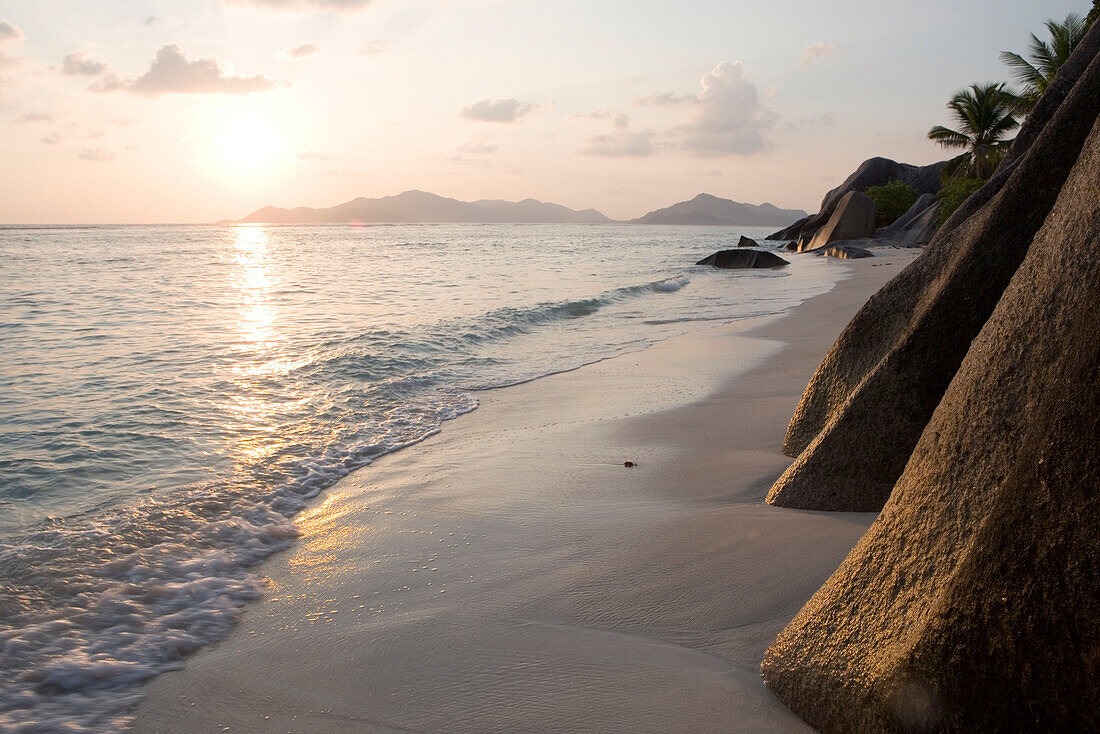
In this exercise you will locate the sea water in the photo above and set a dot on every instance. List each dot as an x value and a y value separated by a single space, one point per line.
170 396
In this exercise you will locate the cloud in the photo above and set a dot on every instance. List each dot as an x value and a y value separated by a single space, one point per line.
97 154
620 145
172 73
10 36
79 64
478 147
300 52
663 99
620 120
825 119
9 33
728 118
51 139
150 20
375 47
812 53
497 110
309 155
305 5
36 117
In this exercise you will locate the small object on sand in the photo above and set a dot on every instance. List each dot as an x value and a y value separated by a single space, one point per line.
629 464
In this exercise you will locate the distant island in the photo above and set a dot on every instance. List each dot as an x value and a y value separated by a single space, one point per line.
707 209
423 207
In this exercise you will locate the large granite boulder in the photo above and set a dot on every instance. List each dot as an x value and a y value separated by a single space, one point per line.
742 258
747 242
972 604
917 226
853 218
872 172
871 397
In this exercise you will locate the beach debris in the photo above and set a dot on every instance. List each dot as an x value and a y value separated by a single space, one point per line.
629 464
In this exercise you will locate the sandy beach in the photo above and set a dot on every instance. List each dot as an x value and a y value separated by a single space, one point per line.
510 574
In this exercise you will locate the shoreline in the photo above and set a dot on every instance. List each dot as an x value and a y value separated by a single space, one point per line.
512 573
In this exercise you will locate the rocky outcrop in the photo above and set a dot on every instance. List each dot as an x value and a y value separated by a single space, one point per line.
917 226
846 251
747 242
870 399
743 259
853 218
872 172
971 604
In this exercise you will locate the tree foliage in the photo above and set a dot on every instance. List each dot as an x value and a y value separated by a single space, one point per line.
983 116
1035 71
891 201
953 194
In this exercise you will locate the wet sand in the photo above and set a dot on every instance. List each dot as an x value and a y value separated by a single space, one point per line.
510 574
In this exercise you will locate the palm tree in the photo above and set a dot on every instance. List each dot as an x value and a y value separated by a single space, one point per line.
984 116
1044 58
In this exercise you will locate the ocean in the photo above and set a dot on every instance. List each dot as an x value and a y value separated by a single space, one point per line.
170 396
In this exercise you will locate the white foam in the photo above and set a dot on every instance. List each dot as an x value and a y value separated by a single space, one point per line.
671 285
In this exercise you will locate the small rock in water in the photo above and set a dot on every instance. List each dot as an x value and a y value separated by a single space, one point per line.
629 464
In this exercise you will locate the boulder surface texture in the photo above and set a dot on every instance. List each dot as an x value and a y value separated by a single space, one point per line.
917 226
873 394
972 604
853 219
742 258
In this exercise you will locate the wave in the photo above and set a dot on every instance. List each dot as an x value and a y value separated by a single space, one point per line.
99 602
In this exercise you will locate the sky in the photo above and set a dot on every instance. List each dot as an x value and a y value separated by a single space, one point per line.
200 110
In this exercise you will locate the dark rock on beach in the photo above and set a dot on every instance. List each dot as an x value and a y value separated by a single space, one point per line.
747 242
971 604
846 251
743 258
874 393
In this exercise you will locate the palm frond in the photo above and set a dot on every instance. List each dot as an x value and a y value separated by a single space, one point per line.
1026 74
948 138
1042 56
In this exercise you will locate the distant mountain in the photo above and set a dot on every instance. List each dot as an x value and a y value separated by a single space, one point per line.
707 209
420 206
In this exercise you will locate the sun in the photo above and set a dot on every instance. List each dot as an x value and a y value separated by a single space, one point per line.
249 146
